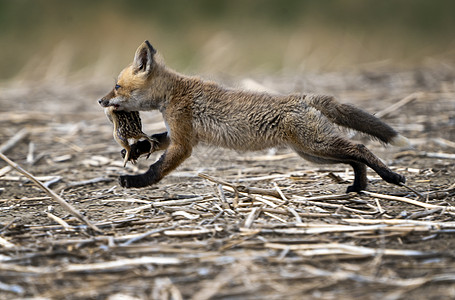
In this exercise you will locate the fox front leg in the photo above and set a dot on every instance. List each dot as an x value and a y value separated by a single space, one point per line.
171 159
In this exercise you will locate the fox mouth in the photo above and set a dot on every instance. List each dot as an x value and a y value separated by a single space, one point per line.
105 103
115 106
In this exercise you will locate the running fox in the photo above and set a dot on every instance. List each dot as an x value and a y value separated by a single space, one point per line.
195 110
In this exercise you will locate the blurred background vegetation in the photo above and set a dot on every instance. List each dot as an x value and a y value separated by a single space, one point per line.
51 38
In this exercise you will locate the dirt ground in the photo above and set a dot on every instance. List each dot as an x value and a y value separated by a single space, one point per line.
228 225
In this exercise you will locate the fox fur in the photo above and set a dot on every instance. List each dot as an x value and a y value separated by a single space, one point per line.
196 110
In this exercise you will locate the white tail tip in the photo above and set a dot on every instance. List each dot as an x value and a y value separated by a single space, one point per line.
400 141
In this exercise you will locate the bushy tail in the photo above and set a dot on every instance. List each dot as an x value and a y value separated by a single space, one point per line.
349 116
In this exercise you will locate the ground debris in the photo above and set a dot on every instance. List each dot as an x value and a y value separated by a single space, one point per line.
229 225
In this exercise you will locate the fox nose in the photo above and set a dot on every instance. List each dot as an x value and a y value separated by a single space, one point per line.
102 102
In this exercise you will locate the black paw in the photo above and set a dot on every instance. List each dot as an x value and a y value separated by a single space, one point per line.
354 189
396 178
139 181
132 181
360 184
124 181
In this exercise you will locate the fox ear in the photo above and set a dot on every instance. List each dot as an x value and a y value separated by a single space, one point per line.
143 59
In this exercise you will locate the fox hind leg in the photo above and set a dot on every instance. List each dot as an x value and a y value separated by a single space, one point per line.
339 150
360 178
360 153
360 170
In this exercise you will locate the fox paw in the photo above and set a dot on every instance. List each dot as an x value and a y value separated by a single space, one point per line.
132 181
138 181
354 189
396 178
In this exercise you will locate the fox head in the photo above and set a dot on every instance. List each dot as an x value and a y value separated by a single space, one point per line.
139 86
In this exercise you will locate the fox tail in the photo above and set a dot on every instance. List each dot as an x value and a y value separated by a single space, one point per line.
349 116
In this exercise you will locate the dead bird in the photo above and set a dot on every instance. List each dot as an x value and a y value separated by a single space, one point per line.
127 125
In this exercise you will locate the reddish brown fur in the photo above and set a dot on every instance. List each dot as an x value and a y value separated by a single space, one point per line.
200 111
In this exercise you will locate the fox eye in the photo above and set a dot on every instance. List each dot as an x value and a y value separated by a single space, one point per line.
117 87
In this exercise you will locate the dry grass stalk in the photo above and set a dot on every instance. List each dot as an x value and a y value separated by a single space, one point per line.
288 212
223 183
343 249
430 224
6 244
65 142
275 217
182 213
212 287
127 200
252 216
258 191
145 234
51 193
121 264
163 288
194 232
280 193
325 197
421 196
29 199
267 201
9 267
394 107
333 228
21 178
410 201
438 155
5 170
88 182
14 140
127 238
59 221
168 203
298 219
351 276
444 142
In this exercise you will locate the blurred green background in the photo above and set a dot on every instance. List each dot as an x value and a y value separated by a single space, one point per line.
97 38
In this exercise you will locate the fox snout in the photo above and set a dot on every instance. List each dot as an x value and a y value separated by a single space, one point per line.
104 102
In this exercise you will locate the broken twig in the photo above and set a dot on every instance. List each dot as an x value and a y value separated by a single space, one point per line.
51 193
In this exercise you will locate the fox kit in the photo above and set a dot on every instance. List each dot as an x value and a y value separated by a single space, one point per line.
195 110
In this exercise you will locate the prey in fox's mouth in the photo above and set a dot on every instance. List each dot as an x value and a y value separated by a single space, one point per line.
127 125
